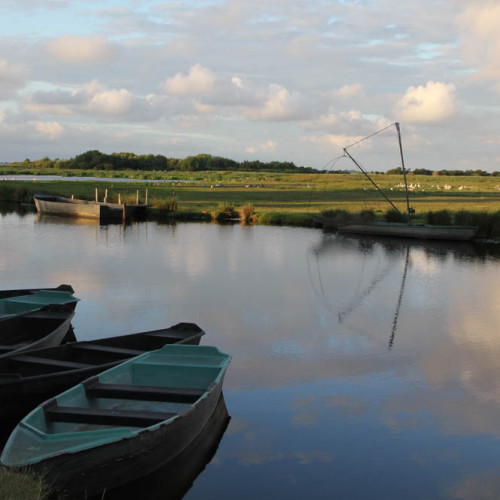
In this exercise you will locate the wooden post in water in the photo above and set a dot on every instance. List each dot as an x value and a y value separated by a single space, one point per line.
146 201
96 195
119 199
106 195
137 198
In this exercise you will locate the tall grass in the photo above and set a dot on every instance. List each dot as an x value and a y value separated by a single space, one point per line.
21 486
439 218
226 213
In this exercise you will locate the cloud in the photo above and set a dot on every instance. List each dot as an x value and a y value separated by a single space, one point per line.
339 141
280 105
80 49
347 91
112 102
199 81
433 102
480 38
50 130
96 99
12 78
267 147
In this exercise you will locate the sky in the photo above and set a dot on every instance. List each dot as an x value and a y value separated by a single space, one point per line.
286 80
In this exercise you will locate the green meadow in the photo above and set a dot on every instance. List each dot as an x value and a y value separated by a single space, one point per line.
274 192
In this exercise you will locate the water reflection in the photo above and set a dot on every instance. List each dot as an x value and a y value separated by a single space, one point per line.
320 408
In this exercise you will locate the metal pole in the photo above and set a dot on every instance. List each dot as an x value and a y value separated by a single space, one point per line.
404 171
371 180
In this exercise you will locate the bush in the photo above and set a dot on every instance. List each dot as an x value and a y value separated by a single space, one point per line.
287 219
392 215
247 213
439 218
226 213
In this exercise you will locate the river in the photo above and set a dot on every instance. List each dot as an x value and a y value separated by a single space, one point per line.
362 368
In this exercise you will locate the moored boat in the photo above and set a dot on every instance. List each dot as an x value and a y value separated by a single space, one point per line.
416 231
400 230
27 291
27 379
110 428
18 305
173 481
34 330
72 207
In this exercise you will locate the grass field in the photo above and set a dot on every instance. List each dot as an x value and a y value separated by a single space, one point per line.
271 192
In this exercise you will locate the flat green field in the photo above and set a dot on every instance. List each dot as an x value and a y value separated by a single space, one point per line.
271 192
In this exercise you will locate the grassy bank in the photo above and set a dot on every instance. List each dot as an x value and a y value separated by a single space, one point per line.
279 198
18 486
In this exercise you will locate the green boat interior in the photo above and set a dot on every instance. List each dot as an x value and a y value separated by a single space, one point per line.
13 306
143 392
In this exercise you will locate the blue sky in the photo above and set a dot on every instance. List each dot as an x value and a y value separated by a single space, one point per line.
288 80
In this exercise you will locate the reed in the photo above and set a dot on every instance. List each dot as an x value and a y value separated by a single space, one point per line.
247 214
21 486
393 215
439 218
226 213
287 219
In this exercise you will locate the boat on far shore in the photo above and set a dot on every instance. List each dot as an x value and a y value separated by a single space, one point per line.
416 231
73 207
406 229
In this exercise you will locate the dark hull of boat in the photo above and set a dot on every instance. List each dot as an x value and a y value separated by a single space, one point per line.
56 205
4 294
28 380
35 330
115 464
173 480
416 231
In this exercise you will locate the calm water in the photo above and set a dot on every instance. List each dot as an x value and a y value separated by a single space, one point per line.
361 369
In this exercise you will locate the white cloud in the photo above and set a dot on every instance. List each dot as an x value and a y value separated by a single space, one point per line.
50 130
348 91
12 78
80 49
97 100
199 81
112 102
338 141
436 101
481 38
280 105
267 147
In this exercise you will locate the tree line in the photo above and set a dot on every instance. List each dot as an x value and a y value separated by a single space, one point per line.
129 161
95 160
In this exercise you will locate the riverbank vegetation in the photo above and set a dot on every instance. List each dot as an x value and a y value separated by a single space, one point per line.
21 486
285 198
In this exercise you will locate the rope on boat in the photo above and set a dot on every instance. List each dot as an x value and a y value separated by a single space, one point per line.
369 136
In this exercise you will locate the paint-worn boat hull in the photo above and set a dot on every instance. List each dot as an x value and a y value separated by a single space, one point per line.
116 464
28 380
416 231
67 207
173 481
122 424
35 330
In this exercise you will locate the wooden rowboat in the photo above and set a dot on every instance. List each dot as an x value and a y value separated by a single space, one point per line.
122 424
72 207
28 379
34 330
26 291
415 231
18 305
173 480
